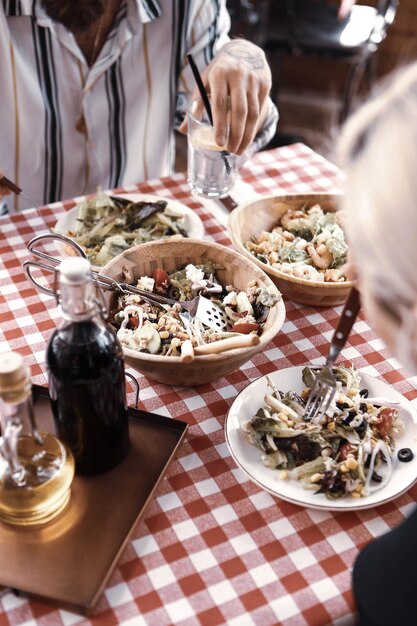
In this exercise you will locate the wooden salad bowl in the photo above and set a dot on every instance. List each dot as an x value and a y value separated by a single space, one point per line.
248 220
142 260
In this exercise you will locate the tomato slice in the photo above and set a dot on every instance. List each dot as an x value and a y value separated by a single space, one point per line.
161 278
245 327
385 419
133 321
344 450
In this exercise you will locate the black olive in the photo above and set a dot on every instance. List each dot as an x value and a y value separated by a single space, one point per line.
342 405
173 292
349 417
261 313
405 455
364 393
361 427
145 350
376 477
363 407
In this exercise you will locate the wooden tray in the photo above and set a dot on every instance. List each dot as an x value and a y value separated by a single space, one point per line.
68 561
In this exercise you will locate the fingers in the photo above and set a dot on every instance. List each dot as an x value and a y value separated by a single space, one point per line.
219 107
183 127
345 8
238 80
239 124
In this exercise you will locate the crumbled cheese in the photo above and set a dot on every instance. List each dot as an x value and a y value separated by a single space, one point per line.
230 298
146 283
125 336
193 273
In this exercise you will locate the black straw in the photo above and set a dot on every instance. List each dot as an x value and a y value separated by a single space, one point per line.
201 88
206 102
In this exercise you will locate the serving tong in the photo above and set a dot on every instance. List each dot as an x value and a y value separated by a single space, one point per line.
199 307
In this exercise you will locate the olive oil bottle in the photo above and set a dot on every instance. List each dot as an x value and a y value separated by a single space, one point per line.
36 469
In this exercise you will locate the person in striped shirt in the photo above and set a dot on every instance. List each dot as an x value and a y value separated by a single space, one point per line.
92 91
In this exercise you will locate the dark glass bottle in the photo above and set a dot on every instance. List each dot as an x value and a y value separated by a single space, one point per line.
86 376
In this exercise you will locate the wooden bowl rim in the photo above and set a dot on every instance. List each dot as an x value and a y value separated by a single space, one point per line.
241 208
266 336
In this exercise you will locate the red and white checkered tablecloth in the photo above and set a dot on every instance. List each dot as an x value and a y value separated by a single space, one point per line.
212 547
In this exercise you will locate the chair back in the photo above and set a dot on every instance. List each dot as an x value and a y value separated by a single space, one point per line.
385 16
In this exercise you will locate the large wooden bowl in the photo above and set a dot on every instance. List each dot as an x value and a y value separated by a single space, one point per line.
250 219
171 255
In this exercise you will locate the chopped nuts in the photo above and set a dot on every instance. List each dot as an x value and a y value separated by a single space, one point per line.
326 452
315 478
343 468
164 334
305 393
351 463
331 426
283 474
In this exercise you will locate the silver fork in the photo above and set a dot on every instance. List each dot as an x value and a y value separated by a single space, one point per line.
324 387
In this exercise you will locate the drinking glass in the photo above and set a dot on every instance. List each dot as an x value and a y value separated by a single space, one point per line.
211 169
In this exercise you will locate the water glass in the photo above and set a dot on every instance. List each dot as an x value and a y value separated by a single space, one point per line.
211 169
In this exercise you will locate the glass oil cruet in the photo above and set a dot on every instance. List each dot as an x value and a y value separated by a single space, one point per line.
36 468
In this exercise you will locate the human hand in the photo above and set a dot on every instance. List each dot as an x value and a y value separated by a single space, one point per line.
345 8
238 72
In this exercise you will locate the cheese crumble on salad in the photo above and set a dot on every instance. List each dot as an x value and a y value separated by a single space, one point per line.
163 329
348 453
306 243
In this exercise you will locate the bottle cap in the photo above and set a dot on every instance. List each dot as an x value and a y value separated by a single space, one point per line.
14 377
75 270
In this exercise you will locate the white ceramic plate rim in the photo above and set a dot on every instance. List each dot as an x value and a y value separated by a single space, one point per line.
193 224
248 457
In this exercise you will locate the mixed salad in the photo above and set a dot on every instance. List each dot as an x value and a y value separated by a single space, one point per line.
306 243
348 453
163 329
110 225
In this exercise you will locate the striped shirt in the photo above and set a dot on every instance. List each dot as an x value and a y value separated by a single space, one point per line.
66 128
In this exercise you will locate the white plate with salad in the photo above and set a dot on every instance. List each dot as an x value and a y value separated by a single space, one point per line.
106 225
342 467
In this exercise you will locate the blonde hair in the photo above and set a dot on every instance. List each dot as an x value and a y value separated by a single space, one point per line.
378 153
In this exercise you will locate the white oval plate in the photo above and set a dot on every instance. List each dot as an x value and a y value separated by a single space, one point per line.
67 222
248 457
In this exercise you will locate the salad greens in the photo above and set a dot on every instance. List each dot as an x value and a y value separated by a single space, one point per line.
110 225
348 453
307 243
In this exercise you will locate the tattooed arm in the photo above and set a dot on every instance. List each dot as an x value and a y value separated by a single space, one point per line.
240 71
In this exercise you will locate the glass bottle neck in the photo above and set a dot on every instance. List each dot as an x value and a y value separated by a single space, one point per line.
18 411
79 301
